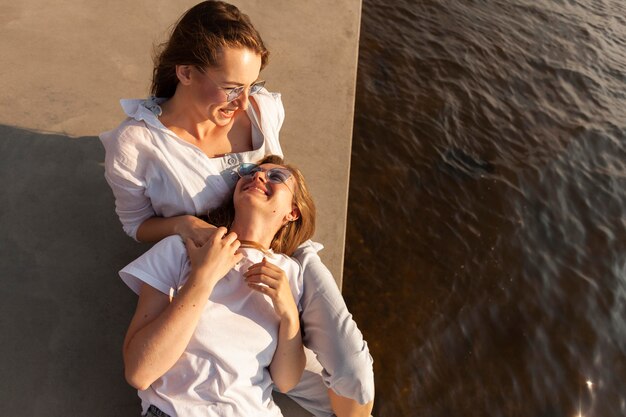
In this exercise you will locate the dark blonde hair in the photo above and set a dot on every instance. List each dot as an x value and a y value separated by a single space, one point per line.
292 234
198 39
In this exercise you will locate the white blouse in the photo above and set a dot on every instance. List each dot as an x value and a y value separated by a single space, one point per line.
224 369
153 172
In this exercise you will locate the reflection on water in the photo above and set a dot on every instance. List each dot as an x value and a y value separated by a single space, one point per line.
486 252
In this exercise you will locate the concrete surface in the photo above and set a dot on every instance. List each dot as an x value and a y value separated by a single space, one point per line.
65 66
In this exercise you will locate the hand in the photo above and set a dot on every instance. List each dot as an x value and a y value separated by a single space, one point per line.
191 227
215 257
269 279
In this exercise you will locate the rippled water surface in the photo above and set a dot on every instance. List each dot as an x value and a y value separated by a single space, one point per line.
486 252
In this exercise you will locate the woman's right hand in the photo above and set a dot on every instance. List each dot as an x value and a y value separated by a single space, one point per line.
216 256
186 226
191 227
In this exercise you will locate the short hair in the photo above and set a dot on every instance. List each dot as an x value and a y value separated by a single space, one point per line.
198 38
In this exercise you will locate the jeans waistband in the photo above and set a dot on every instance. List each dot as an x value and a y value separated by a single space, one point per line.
154 411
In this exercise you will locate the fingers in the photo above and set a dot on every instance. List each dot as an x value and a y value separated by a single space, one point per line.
265 273
272 281
190 244
265 265
219 233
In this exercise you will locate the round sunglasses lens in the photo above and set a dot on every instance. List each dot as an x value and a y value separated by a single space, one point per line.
234 93
247 169
278 175
255 88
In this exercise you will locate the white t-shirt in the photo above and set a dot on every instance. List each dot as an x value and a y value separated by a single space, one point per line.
153 172
224 369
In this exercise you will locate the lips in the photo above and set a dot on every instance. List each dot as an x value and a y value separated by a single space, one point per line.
228 112
256 187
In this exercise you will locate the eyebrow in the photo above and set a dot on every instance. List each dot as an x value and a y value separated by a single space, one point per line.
238 84
232 83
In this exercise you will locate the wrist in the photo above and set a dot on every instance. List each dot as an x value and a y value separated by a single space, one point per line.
181 225
290 322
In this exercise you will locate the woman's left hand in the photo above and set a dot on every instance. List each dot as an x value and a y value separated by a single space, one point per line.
269 279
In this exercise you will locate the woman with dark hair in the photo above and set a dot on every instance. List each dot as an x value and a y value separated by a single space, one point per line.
177 154
214 328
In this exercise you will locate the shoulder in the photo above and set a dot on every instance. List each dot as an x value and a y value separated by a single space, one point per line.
287 263
163 266
138 128
170 251
270 106
307 253
269 97
128 135
172 245
130 144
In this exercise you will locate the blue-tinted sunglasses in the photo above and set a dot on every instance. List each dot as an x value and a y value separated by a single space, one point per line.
273 175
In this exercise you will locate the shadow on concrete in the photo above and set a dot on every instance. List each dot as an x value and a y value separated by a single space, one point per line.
64 311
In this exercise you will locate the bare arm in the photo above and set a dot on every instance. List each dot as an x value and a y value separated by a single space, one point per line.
162 327
288 362
187 226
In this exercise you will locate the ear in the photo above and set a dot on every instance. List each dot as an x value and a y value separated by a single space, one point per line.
293 215
183 73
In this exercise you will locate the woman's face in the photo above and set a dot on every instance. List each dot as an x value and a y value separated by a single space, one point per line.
257 192
239 67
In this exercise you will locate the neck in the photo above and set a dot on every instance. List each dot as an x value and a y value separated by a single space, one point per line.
254 229
178 115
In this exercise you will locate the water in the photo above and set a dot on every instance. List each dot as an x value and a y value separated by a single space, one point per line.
486 252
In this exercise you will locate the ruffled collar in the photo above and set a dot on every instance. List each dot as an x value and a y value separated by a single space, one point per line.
147 110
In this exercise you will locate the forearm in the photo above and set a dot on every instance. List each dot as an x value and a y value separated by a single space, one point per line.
289 360
157 228
155 348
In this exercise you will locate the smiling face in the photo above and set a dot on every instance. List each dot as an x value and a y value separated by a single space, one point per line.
275 200
286 211
209 87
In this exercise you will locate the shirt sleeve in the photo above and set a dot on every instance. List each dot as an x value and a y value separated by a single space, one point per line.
163 267
330 331
123 174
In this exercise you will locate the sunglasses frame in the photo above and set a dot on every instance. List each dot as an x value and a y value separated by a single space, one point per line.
248 169
233 93
268 175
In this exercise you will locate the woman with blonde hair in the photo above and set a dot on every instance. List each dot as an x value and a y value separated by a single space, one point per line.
213 329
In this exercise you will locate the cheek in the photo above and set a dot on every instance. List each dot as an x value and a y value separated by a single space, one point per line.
287 204
240 183
210 95
217 100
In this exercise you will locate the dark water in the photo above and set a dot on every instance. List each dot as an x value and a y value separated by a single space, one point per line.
486 253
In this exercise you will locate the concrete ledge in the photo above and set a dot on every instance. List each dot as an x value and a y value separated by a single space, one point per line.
67 64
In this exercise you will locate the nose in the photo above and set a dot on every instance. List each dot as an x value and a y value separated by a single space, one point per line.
243 100
260 175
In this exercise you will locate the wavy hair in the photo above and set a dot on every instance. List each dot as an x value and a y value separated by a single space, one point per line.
198 39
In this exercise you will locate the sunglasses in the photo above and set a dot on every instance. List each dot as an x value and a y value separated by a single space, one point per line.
273 175
233 93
